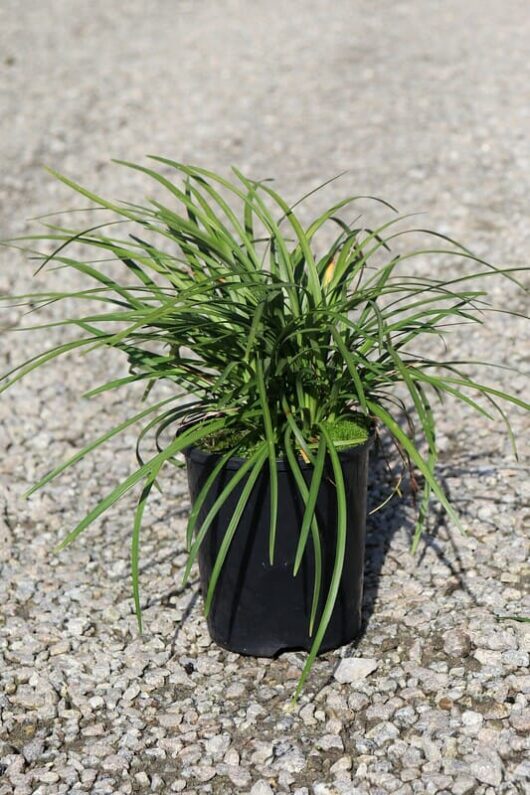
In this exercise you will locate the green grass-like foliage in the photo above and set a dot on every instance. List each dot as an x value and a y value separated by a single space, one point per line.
224 296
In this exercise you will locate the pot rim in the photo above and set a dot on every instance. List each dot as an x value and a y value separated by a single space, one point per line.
199 456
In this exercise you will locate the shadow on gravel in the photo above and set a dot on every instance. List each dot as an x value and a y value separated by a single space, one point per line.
393 518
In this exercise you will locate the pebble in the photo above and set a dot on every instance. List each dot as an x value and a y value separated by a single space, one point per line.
383 732
293 761
342 764
457 643
49 777
463 784
115 763
354 669
520 720
217 747
261 787
204 772
239 776
329 741
487 769
472 720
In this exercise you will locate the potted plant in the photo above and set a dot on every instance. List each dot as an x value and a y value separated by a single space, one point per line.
285 362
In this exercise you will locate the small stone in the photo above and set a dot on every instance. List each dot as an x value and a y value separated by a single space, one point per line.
238 775
487 657
204 773
49 777
456 643
77 626
131 693
463 785
93 730
431 750
32 750
334 726
293 761
208 666
445 703
357 701
217 746
522 770
285 779
322 789
88 775
472 720
410 774
362 770
341 766
383 732
190 755
236 690
520 720
263 753
306 713
232 757
354 669
115 763
329 741
170 720
495 711
173 745
496 639
516 658
261 788
488 770
28 698
62 647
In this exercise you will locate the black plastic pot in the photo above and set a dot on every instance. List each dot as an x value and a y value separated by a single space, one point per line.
259 609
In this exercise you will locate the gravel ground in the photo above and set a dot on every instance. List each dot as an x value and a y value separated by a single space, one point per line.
426 104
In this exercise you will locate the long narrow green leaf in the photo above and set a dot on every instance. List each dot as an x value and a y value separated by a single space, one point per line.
135 544
338 566
310 508
273 471
258 461
315 534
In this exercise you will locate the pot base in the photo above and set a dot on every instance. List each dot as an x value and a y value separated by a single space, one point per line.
269 648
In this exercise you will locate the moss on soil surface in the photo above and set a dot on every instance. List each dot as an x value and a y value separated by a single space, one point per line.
346 432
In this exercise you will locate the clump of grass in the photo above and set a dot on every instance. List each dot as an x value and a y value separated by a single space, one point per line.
222 295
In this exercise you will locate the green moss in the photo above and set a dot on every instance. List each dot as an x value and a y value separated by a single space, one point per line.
224 440
345 432
349 432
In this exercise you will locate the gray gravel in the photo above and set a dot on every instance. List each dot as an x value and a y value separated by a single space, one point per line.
427 104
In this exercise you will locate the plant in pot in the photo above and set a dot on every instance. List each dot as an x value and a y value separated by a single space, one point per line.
286 350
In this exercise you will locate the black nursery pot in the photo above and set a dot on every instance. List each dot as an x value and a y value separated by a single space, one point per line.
259 609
